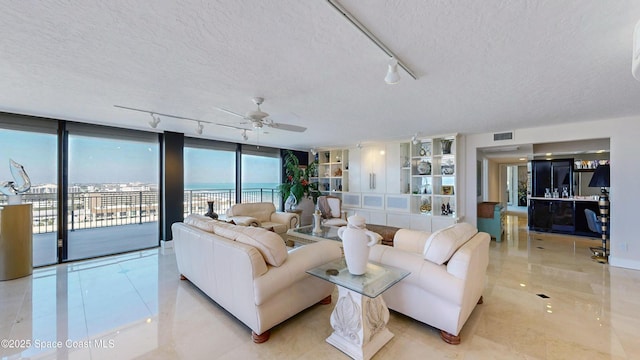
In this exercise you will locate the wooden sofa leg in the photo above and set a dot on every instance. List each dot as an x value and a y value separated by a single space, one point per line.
449 338
480 301
259 339
182 277
325 301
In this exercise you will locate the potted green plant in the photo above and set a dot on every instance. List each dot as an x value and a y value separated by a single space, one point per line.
297 179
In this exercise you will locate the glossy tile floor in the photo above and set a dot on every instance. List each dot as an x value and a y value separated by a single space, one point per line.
134 306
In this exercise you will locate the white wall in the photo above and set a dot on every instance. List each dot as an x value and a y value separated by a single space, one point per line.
625 175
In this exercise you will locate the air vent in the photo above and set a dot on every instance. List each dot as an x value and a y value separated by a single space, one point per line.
503 136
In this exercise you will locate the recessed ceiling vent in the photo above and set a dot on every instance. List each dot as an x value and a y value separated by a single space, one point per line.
503 136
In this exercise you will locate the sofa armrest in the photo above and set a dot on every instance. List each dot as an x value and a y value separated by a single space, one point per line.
245 220
410 240
294 268
289 219
428 276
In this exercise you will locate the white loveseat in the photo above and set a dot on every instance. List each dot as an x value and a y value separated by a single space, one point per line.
262 214
248 271
448 269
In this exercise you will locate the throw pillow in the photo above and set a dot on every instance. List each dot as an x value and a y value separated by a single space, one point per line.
268 243
441 245
201 222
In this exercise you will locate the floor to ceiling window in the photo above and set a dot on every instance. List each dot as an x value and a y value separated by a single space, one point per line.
112 200
209 175
261 175
33 144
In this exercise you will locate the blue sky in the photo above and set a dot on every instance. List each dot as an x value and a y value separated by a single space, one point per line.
95 160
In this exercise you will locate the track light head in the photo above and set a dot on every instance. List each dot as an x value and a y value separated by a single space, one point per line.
393 77
199 128
244 135
414 139
155 120
313 151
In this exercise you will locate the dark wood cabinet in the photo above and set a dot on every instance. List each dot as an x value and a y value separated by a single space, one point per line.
551 174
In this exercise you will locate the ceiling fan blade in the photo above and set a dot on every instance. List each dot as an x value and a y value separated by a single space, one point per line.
234 127
287 127
230 112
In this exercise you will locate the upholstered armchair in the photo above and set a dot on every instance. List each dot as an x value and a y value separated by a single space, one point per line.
331 209
262 214
448 274
593 221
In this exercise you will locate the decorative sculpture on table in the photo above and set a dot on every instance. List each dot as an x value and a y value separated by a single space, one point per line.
21 183
210 212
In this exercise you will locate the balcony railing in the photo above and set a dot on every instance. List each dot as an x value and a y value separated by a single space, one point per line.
103 209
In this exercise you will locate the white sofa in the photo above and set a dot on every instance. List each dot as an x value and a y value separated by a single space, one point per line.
448 269
248 271
262 214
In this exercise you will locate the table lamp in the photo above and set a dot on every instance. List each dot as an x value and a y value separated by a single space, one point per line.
600 179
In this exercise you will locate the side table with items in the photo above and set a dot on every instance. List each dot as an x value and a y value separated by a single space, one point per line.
360 317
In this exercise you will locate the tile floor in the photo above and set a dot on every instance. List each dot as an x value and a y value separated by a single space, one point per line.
134 306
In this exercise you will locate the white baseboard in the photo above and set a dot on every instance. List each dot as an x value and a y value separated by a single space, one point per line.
624 263
166 244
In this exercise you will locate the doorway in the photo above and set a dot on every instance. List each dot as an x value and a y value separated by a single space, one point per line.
515 178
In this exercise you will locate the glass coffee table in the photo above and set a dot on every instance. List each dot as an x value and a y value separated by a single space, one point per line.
360 317
304 235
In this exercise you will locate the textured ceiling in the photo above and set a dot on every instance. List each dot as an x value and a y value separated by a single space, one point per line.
482 66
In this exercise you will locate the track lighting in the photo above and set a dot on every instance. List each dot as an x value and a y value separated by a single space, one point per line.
244 135
199 128
392 73
155 120
313 151
414 139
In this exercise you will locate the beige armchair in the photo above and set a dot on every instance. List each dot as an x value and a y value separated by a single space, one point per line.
448 275
262 214
331 209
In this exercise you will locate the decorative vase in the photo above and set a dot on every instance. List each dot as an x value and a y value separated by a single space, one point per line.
210 213
356 242
290 203
14 199
446 146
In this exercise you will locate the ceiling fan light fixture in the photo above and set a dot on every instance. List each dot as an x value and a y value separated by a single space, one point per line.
393 77
155 120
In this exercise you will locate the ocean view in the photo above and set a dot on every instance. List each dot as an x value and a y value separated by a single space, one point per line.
215 186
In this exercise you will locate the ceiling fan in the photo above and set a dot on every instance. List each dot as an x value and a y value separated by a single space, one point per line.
258 119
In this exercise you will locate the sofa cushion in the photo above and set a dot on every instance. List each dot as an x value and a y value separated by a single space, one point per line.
441 245
267 242
201 222
227 230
